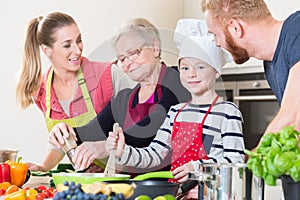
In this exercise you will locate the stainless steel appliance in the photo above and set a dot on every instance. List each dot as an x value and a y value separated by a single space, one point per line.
226 181
254 97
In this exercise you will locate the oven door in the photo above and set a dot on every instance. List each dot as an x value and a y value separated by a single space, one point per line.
258 105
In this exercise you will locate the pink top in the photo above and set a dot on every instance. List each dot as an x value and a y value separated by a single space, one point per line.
99 83
151 99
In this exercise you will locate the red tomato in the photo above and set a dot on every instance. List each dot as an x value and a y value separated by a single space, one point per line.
2 192
40 196
41 187
46 193
51 191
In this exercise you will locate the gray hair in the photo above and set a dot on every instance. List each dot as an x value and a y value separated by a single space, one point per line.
146 30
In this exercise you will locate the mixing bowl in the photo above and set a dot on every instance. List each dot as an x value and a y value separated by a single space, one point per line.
85 178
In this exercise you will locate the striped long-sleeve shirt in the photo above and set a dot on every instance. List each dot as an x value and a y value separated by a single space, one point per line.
222 136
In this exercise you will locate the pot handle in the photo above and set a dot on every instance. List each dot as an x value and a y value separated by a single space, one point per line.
149 175
185 187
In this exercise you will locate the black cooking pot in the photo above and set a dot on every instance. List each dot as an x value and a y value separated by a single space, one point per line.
154 188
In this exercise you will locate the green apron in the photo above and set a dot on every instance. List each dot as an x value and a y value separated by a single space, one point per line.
79 120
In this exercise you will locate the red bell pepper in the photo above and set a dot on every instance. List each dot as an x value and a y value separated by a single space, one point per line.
4 172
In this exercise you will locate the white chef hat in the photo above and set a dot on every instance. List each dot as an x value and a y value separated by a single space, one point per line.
194 41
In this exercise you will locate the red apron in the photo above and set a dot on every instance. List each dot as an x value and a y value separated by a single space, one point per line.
187 144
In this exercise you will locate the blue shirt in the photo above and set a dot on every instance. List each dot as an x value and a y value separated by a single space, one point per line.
286 55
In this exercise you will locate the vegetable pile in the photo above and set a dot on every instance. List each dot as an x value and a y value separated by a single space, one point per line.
277 154
13 172
12 192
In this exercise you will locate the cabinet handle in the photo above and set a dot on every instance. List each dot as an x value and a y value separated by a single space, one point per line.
253 98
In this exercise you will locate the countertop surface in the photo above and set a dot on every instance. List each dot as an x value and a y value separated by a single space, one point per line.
35 181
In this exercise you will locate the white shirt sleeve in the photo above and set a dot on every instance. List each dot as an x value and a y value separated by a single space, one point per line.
154 154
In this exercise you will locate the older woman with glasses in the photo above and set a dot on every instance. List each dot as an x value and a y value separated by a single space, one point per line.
139 111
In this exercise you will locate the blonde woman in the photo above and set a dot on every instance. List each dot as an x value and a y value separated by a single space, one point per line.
73 89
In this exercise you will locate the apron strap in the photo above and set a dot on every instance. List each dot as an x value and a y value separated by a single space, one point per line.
90 114
209 109
206 114
179 111
48 92
85 91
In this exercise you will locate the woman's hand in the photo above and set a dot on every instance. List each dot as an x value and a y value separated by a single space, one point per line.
117 142
87 152
58 132
181 173
35 167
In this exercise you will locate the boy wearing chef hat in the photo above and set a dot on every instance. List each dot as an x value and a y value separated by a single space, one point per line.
206 129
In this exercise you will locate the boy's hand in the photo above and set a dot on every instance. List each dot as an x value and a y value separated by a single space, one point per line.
181 173
117 142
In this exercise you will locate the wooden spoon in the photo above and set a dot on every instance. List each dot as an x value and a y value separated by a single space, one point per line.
110 169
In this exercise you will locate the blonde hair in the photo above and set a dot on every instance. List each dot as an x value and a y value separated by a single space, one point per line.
39 31
146 30
247 10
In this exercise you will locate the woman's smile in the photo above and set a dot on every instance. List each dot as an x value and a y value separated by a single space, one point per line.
75 61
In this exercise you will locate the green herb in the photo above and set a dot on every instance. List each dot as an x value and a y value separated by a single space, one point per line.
277 154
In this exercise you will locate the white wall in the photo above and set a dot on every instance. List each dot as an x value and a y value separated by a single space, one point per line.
97 19
25 130
279 9
282 9
192 9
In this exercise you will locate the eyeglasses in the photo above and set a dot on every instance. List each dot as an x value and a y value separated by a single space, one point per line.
131 55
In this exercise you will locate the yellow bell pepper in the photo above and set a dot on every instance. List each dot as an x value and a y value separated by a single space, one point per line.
18 195
31 194
11 189
18 172
4 185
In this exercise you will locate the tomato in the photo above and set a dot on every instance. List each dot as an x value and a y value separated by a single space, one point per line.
51 190
41 187
40 196
2 192
46 193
